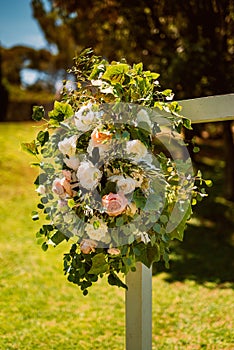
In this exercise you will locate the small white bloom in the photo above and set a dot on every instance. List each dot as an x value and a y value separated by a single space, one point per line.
72 162
96 229
68 145
142 236
85 118
137 148
88 175
125 184
41 189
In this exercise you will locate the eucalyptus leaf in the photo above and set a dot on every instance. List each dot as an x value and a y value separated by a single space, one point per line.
99 264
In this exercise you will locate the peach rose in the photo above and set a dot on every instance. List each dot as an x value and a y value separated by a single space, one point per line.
67 174
67 186
87 246
114 204
98 138
62 186
57 187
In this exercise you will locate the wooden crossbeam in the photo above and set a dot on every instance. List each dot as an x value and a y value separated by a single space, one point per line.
209 109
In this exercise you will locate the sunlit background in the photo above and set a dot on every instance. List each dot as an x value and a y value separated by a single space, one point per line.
190 44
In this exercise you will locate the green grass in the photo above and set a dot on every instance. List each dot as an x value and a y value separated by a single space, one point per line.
39 309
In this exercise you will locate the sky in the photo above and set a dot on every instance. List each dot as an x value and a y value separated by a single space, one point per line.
17 25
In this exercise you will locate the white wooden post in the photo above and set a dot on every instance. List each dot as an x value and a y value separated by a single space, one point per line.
138 310
138 304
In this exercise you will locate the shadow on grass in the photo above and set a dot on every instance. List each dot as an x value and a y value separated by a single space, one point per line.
207 252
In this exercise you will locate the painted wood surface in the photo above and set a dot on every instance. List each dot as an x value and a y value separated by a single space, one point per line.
138 309
209 109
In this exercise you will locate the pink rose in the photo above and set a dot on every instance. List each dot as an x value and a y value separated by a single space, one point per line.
114 204
57 187
87 246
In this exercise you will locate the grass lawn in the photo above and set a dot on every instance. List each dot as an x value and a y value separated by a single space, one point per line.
193 302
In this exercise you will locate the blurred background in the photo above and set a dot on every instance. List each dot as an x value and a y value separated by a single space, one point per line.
191 44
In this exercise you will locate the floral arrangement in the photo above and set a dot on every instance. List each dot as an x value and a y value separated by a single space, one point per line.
116 181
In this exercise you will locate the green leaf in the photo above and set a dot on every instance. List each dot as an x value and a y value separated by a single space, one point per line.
208 183
119 221
187 123
178 232
164 219
43 137
42 178
61 111
115 73
71 203
99 264
139 198
153 202
44 246
138 68
196 149
58 237
153 253
38 113
109 188
167 92
157 228
142 254
30 147
114 280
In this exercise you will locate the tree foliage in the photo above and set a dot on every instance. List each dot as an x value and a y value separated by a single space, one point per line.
189 42
17 58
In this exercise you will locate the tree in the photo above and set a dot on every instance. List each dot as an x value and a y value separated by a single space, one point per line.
3 93
190 43
18 58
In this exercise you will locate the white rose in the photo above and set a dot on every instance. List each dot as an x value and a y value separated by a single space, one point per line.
97 229
72 162
85 118
142 236
139 150
125 185
88 175
68 145
41 189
